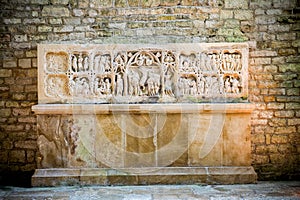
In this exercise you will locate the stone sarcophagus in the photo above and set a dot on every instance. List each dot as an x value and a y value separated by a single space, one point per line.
143 114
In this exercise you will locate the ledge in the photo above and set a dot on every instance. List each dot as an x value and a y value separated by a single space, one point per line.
87 109
144 176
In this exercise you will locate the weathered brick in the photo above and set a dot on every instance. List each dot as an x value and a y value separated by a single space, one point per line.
5 112
276 28
258 138
17 156
270 68
292 105
263 53
286 36
278 60
9 64
28 144
274 122
285 129
264 19
260 61
267 84
60 2
21 111
280 44
243 14
54 11
5 73
293 92
284 77
287 52
284 113
25 63
27 119
266 114
55 21
44 28
10 104
12 21
226 14
236 4
291 67
259 122
78 12
269 98
279 139
274 105
273 11
277 158
31 53
72 21
294 121
260 159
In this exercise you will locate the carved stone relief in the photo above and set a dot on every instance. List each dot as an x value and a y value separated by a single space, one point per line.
142 74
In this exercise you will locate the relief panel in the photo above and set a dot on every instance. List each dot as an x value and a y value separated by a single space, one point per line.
143 73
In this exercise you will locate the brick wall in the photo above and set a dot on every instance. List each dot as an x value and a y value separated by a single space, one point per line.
270 26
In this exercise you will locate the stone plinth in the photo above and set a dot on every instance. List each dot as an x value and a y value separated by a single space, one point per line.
136 143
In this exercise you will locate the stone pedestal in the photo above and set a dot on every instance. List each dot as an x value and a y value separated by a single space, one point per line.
120 144
143 114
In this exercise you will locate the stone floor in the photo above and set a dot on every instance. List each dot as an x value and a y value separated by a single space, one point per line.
261 190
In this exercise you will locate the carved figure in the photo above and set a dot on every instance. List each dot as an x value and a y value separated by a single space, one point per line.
168 86
86 64
193 87
80 64
227 85
119 85
107 86
235 86
74 63
134 84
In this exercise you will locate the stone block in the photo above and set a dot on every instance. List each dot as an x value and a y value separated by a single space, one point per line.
60 2
291 67
78 12
243 14
292 106
294 121
226 14
5 73
276 106
24 63
9 63
100 3
45 28
17 156
284 113
236 4
287 52
12 21
285 130
54 11
5 112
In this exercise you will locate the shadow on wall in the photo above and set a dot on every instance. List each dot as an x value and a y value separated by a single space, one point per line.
13 178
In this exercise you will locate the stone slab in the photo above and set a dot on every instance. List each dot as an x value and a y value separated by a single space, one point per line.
142 73
144 176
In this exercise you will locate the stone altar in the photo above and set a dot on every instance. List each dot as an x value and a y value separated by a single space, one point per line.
143 114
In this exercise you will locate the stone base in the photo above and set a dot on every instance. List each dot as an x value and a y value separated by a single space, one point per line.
144 176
